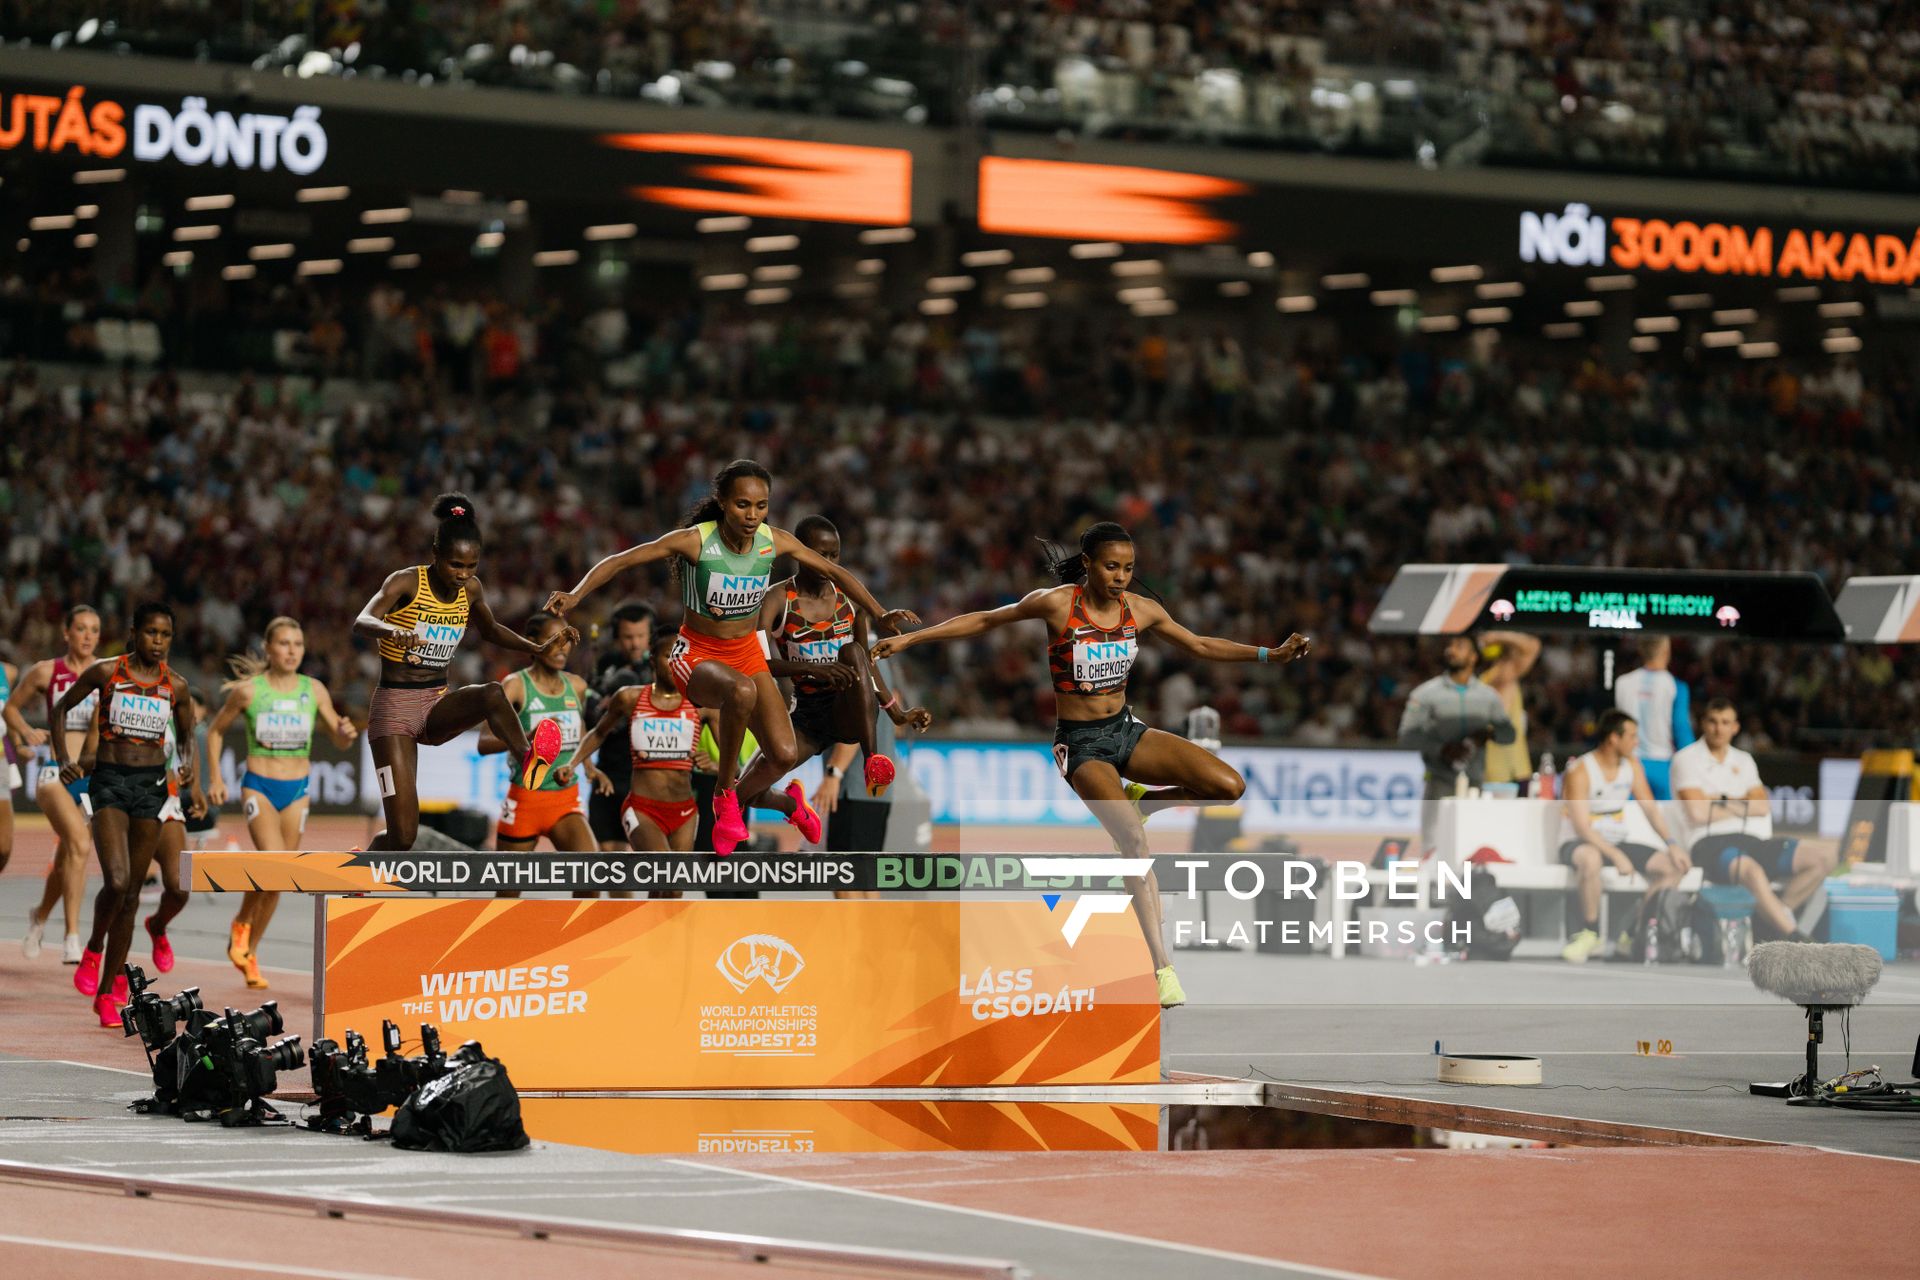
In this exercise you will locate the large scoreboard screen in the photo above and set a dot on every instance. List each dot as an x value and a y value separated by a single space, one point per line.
1438 599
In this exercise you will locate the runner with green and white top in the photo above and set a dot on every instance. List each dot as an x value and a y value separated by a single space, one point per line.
724 557
547 691
281 706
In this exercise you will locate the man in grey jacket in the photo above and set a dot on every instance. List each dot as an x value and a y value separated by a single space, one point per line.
1448 720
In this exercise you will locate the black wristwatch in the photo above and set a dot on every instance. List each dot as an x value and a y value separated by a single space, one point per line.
835 773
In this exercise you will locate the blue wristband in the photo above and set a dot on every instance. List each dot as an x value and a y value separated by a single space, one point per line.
1263 653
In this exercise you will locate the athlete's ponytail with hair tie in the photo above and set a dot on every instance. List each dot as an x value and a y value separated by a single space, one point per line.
458 520
1066 567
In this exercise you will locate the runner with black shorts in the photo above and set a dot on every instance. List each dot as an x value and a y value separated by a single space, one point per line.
1094 620
820 644
139 696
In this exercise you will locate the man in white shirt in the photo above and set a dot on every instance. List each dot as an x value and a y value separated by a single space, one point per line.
1729 815
1598 789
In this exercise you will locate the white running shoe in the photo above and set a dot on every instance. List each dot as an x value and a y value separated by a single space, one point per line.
30 945
70 954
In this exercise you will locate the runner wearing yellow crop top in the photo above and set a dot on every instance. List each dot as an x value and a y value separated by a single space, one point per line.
724 557
419 618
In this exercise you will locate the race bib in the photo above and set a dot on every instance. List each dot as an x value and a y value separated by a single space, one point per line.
1102 662
442 639
284 730
734 595
139 715
662 737
80 719
827 650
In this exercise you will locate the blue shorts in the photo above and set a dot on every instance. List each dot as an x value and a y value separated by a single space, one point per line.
1659 778
1715 855
281 793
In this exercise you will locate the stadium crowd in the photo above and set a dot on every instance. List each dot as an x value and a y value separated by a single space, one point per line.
1270 489
1823 90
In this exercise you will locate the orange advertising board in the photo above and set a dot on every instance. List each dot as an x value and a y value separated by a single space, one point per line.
782 178
1077 201
606 994
805 1126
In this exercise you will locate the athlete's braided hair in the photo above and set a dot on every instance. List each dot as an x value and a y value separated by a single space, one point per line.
709 508
1069 566
150 609
459 522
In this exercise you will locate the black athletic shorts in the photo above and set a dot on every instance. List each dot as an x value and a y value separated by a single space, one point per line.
1110 741
137 792
1637 854
813 719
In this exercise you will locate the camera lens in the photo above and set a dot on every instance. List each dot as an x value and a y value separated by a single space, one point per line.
284 1056
261 1023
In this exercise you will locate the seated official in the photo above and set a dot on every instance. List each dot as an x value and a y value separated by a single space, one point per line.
1593 834
1729 814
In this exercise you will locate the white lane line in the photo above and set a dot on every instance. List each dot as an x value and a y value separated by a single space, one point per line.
198 1260
1040 1224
